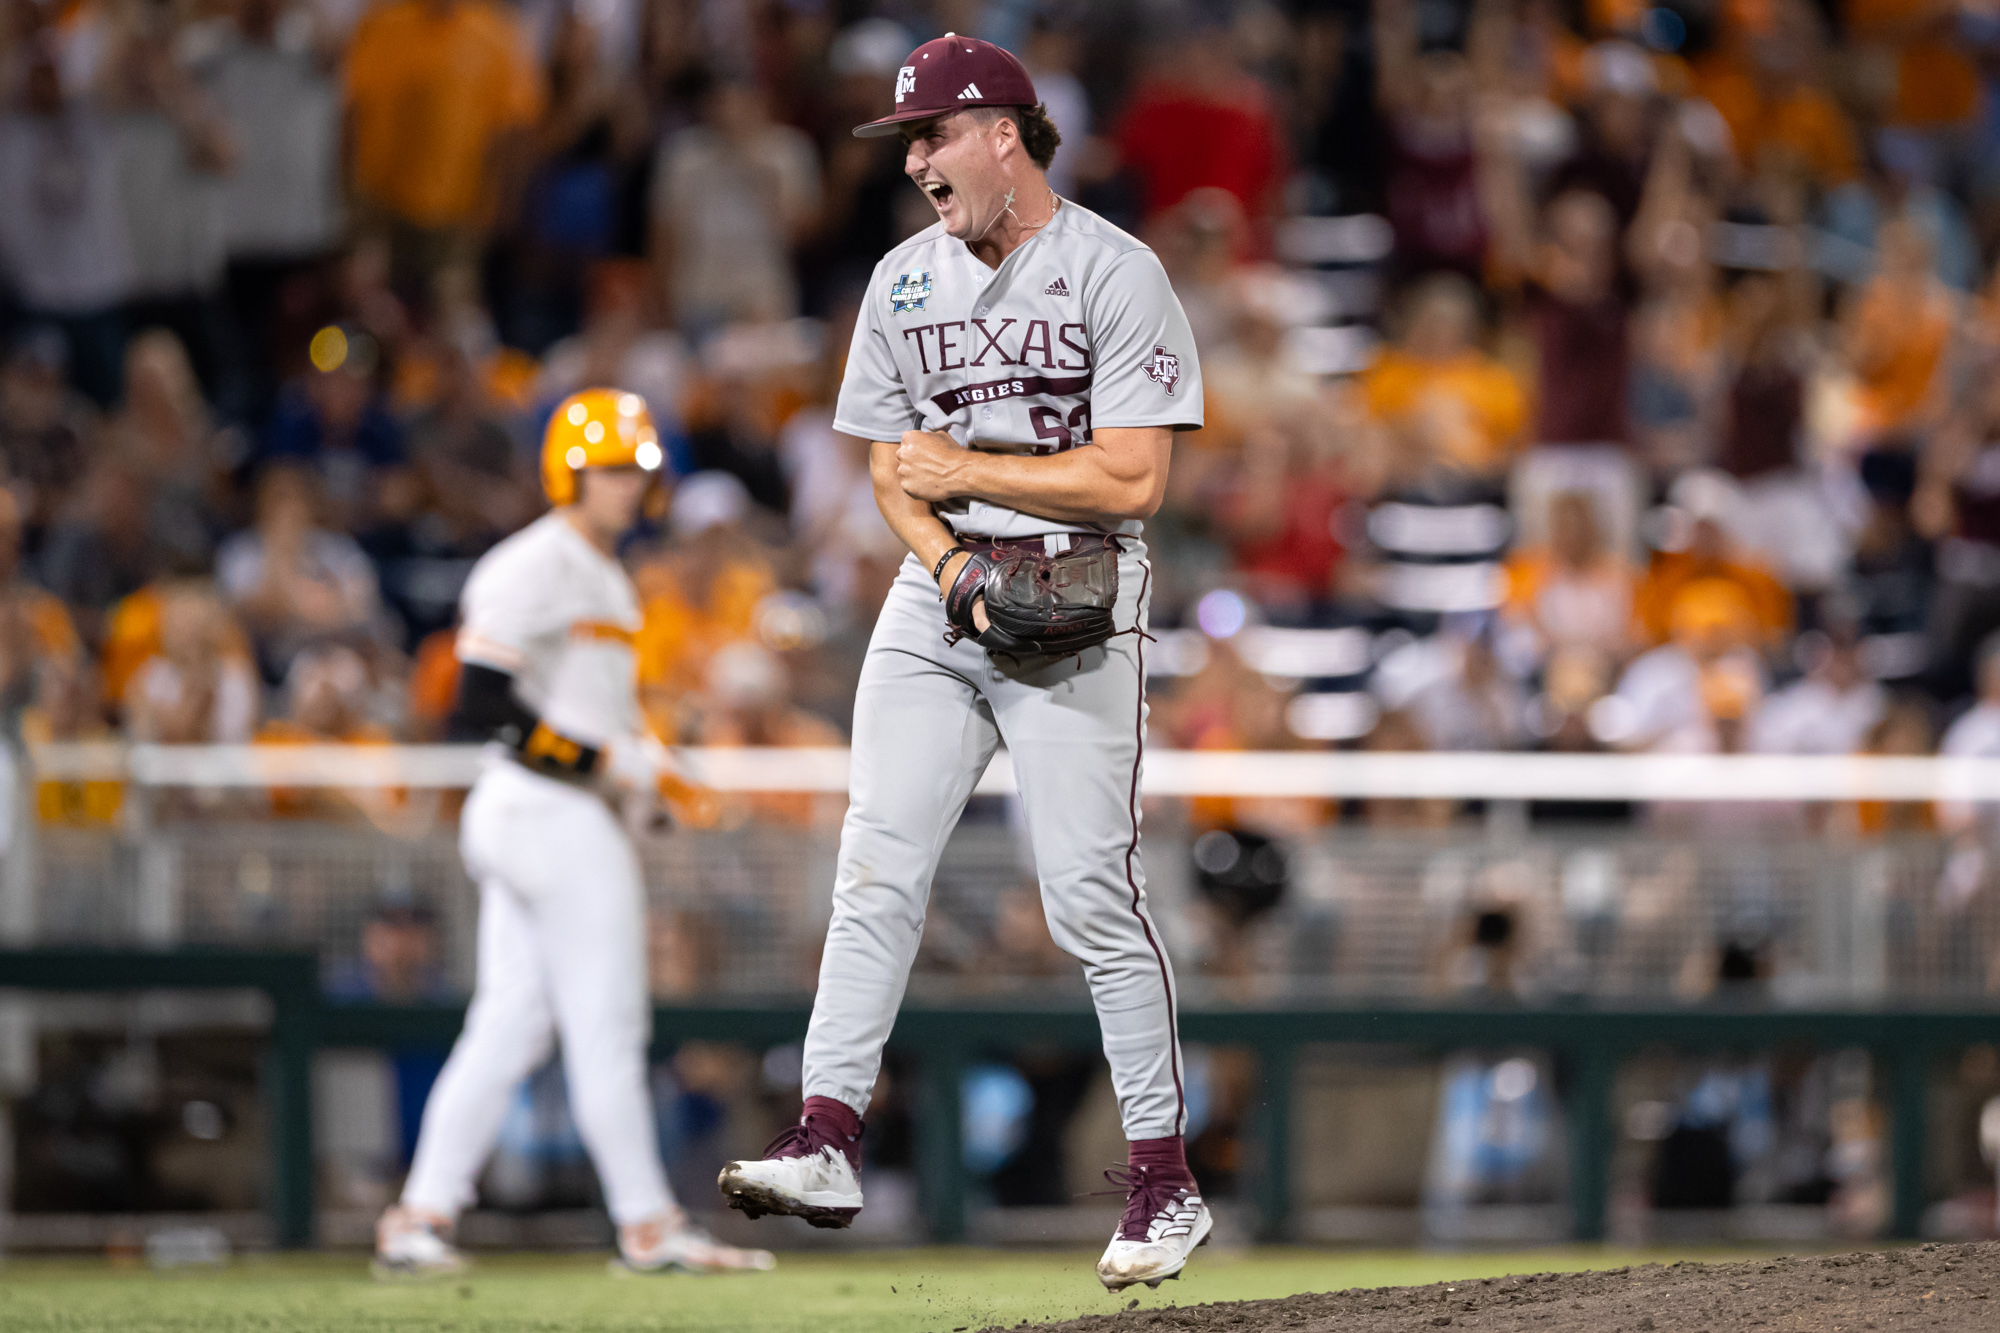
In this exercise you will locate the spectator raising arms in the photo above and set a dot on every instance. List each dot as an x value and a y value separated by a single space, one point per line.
1440 174
1576 316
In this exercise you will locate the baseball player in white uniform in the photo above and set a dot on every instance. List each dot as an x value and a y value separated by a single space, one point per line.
549 677
1019 370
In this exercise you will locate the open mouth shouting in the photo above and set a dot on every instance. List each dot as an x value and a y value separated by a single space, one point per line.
941 197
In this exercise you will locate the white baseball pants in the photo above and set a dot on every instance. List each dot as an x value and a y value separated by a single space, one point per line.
927 719
562 952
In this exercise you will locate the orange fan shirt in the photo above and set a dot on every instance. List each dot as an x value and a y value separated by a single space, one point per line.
679 635
1805 122
1672 572
1903 340
132 638
1477 395
1936 85
429 90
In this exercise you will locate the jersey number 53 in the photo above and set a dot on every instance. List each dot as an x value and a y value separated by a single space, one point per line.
1055 434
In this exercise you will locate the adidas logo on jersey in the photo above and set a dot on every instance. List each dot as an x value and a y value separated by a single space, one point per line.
1056 288
971 93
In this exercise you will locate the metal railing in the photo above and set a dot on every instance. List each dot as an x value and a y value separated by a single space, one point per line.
1625 914
1463 776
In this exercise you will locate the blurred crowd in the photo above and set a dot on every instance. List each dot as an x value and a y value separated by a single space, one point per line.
1581 375
1622 375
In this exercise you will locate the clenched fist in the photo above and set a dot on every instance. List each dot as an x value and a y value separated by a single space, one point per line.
930 467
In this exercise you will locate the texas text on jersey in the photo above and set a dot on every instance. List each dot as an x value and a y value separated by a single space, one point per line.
1077 329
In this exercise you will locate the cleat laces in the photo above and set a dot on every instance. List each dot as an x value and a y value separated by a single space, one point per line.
1157 1206
811 1137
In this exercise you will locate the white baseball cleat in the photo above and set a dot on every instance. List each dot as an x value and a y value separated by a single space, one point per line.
410 1244
673 1244
1165 1220
811 1170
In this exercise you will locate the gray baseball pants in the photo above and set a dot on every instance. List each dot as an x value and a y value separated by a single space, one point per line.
927 719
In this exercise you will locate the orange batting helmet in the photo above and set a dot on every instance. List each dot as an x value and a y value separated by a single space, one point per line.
596 428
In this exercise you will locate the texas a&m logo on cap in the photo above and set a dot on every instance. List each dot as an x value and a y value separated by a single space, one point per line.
1164 369
957 72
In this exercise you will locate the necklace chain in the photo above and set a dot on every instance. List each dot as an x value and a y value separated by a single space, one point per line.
1055 203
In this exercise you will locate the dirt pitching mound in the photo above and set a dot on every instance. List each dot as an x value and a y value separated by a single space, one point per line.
1929 1287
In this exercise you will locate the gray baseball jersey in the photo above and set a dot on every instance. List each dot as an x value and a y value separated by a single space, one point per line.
1077 328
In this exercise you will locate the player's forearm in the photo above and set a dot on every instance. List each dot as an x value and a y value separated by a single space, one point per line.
913 521
1109 481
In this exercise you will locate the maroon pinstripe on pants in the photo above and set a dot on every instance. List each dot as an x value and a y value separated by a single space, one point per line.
1132 881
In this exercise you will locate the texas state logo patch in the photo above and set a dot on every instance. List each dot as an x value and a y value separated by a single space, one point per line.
909 292
1164 369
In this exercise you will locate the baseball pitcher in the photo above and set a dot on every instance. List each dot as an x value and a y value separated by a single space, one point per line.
549 677
1019 370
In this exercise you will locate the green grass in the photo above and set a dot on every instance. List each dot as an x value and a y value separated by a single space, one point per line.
911 1290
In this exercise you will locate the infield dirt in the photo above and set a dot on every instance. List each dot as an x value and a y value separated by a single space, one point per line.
1929 1287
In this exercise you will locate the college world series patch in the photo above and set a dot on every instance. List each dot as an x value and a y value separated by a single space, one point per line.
909 293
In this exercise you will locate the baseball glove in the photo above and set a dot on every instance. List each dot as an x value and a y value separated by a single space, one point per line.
1036 605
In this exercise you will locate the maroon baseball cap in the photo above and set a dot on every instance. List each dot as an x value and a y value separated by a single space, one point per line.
950 74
